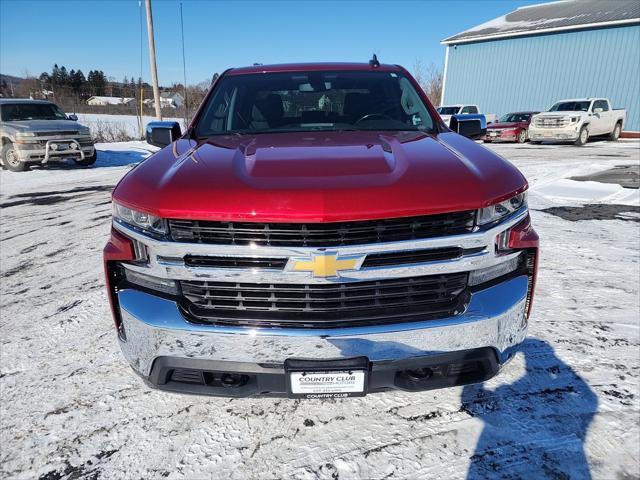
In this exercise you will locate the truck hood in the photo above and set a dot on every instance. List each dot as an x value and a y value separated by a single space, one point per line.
507 125
43 126
578 113
318 177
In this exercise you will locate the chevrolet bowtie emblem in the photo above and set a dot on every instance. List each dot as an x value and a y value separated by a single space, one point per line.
325 264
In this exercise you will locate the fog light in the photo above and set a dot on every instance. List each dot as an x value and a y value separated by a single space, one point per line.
74 146
419 374
53 146
484 275
152 283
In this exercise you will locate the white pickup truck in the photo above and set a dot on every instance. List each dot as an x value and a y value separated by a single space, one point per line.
576 120
447 111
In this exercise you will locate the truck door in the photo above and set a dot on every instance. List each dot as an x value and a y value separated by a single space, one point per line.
601 118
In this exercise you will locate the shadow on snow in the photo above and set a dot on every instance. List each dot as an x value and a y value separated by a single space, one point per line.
536 426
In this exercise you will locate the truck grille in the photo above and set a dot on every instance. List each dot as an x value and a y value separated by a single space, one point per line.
325 305
321 234
56 133
551 122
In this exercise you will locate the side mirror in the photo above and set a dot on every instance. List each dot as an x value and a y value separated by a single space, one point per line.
470 126
73 117
598 110
161 134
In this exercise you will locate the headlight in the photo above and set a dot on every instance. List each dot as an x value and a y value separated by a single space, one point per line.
84 131
144 221
574 119
25 134
498 211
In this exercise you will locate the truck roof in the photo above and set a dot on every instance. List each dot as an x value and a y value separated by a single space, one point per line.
4 101
583 99
312 67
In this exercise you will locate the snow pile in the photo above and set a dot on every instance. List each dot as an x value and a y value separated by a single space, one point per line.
589 192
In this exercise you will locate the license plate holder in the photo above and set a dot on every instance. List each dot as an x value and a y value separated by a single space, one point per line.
327 378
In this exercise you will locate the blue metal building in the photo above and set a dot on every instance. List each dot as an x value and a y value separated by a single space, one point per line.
536 55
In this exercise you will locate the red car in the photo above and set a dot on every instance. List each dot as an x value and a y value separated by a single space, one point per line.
512 127
319 232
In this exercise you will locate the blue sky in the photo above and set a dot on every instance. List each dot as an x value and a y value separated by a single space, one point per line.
105 34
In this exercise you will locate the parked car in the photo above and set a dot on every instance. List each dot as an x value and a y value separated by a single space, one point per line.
512 127
38 132
358 246
447 111
577 120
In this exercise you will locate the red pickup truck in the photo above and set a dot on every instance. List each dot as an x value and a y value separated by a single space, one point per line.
319 232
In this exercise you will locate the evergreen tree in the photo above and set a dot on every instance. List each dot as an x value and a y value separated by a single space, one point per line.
64 76
55 75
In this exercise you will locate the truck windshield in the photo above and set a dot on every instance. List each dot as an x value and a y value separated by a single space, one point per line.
570 107
12 112
313 101
448 110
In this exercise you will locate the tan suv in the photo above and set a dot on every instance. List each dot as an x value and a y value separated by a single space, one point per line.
37 131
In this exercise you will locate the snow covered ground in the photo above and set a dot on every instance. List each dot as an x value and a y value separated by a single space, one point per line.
119 123
566 407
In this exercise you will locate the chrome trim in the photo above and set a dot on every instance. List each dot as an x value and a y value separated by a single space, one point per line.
165 257
155 327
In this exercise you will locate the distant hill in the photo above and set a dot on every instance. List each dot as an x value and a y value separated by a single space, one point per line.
10 79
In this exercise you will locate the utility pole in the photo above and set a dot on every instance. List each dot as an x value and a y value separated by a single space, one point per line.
152 56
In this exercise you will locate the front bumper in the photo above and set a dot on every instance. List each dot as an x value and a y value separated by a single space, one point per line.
563 134
46 153
159 341
501 137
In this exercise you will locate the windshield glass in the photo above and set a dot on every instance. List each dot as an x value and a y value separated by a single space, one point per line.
12 112
448 110
313 101
515 117
570 107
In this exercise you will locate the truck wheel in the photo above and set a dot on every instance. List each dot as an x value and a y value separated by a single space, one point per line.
582 137
613 136
522 136
88 160
10 159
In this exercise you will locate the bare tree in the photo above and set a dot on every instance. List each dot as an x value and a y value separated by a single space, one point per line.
430 79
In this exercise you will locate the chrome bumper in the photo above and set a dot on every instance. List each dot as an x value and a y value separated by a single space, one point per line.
47 154
155 328
553 134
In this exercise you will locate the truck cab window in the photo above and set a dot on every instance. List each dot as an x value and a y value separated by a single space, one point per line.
312 101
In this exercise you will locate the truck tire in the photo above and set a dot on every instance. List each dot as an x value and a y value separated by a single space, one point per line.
522 136
615 135
88 160
10 160
583 137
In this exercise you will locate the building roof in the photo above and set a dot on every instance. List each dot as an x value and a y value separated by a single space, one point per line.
112 100
553 17
169 94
